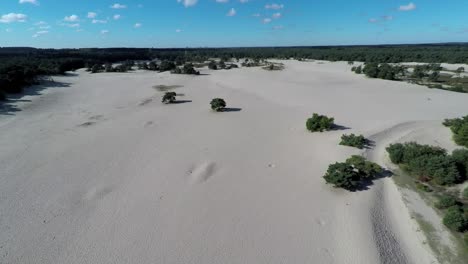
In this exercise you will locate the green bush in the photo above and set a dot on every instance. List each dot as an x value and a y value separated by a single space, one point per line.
365 168
319 123
352 140
218 104
342 175
446 201
455 219
427 163
460 156
440 170
169 97
358 69
352 173
459 127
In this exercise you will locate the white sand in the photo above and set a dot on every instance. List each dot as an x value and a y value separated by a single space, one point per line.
101 172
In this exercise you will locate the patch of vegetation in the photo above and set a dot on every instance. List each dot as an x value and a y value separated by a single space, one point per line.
445 201
186 69
455 219
218 104
465 193
352 173
426 163
169 97
459 127
352 140
319 123
274 67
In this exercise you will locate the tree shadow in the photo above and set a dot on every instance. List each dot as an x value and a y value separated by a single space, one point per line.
9 106
370 144
336 127
365 184
231 109
181 101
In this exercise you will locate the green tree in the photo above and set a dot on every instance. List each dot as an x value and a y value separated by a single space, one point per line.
455 219
342 175
446 201
319 123
169 97
218 104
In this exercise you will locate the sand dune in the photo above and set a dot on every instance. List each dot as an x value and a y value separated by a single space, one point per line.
97 170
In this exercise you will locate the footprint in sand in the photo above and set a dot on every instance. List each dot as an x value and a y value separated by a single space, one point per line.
97 193
201 172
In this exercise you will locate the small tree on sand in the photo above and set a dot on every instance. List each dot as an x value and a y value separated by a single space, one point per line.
319 123
218 104
169 97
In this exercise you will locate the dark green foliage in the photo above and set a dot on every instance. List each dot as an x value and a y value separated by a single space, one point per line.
426 163
218 104
460 70
382 71
352 140
97 68
455 219
212 65
419 72
187 69
434 76
167 66
365 168
350 175
169 97
342 175
437 169
446 201
358 69
404 153
108 67
152 66
459 127
319 123
460 156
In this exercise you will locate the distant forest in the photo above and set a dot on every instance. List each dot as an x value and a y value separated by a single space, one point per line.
20 66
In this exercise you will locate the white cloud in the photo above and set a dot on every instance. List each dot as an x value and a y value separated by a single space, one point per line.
13 17
40 23
104 32
8 30
266 20
243 1
188 3
274 6
178 30
34 2
256 15
222 1
92 15
116 17
388 18
276 15
40 33
118 6
72 18
97 21
231 12
137 25
407 7
373 20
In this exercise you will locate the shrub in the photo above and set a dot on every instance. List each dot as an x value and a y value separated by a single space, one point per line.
459 127
212 65
218 104
460 156
352 140
440 170
319 123
365 168
169 97
358 69
404 153
455 220
396 152
446 201
167 66
342 175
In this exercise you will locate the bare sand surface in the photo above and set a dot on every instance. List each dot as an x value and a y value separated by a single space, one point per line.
96 170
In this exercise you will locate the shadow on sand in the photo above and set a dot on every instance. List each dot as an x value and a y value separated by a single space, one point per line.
181 101
232 109
366 184
9 107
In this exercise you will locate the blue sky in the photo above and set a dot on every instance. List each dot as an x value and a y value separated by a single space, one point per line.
226 23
